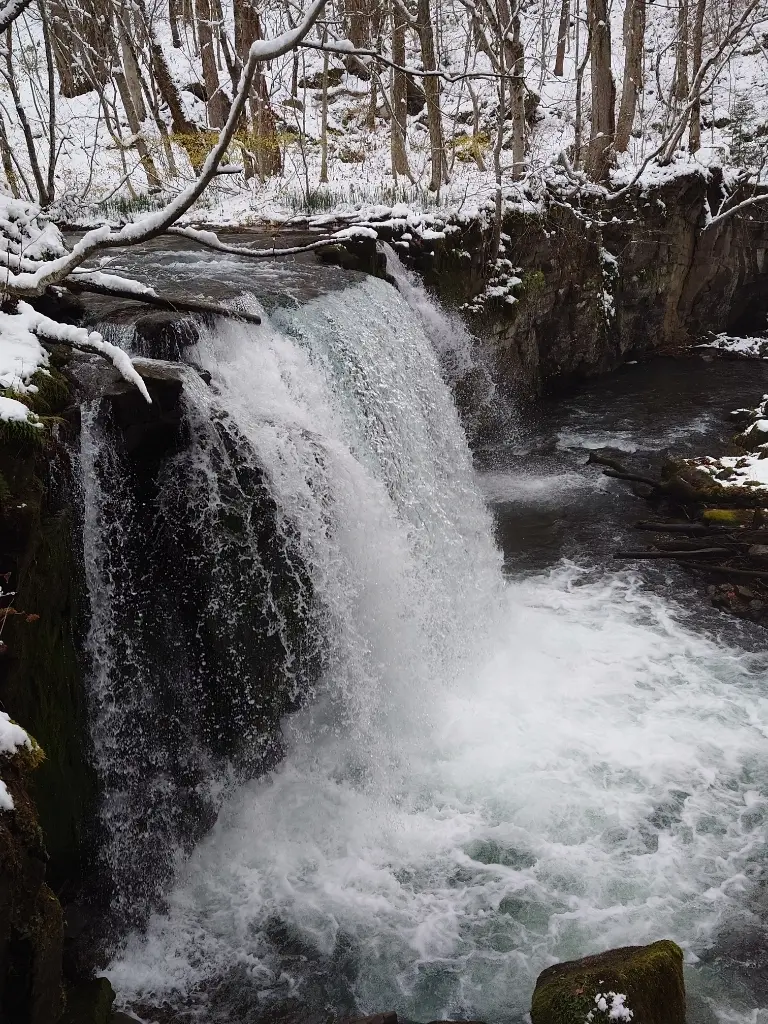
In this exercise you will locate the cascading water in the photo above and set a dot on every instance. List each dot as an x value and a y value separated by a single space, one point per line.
491 775
200 633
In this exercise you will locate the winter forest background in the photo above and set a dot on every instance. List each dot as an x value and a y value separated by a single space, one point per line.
109 107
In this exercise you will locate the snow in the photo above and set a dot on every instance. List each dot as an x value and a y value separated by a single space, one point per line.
12 736
610 1006
743 470
19 331
739 348
6 800
90 171
11 410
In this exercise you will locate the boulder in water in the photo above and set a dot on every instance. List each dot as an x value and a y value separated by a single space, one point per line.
162 335
90 1003
643 984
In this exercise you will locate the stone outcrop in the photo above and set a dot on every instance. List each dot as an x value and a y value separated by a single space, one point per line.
31 932
598 286
643 984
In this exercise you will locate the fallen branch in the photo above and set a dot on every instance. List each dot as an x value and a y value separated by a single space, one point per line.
751 574
634 478
212 241
673 554
173 304
687 528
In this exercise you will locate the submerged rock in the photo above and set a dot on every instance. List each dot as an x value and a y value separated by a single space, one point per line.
643 984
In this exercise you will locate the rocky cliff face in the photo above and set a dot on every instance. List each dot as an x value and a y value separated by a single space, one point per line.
598 286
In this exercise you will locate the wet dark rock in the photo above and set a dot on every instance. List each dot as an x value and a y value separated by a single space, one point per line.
650 977
376 1018
596 291
197 89
31 926
153 427
361 254
164 335
90 1003
315 81
415 98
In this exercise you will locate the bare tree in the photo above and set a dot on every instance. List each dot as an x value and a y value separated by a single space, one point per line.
634 39
432 93
562 37
694 137
216 100
600 153
399 96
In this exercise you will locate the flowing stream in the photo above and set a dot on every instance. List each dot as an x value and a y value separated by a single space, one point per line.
497 765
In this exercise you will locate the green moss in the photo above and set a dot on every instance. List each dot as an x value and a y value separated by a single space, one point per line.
728 516
22 434
651 978
52 393
44 688
533 282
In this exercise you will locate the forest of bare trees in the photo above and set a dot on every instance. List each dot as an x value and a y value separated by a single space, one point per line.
144 87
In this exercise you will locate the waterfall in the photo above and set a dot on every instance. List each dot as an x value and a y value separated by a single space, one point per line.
201 633
477 777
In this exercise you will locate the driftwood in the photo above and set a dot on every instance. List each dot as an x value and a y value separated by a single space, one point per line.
689 528
652 553
737 552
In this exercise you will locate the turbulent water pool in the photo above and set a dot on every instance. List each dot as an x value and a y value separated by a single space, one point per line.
517 754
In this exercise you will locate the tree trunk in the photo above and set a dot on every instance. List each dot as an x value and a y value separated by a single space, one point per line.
72 80
173 19
600 153
517 100
681 66
10 81
5 154
266 147
432 93
153 178
399 104
51 83
634 39
130 64
217 102
562 37
324 125
694 138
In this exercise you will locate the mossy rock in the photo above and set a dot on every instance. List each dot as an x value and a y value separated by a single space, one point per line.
732 517
89 1003
650 977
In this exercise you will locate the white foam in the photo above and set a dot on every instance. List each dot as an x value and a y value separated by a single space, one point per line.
492 778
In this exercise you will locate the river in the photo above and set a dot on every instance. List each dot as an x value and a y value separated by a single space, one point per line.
515 753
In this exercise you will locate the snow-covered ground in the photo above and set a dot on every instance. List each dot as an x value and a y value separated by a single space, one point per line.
91 169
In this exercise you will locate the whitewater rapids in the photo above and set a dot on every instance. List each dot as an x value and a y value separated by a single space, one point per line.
494 773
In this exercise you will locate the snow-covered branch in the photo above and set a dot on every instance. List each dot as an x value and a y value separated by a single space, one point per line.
28 284
211 241
10 11
735 211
